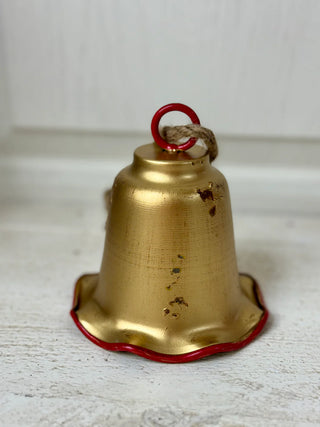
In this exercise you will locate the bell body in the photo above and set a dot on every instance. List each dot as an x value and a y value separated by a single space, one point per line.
169 284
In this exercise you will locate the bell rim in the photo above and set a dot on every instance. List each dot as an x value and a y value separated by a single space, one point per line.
200 353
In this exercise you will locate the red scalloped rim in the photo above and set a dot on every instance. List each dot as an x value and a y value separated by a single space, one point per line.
179 358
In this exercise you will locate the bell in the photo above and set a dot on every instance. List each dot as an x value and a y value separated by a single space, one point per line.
169 287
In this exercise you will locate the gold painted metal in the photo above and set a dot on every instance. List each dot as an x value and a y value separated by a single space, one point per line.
169 280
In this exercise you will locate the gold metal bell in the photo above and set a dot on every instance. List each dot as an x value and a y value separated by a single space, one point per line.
169 287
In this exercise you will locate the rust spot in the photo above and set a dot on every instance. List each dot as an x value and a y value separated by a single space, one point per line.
180 256
176 315
175 270
166 311
205 195
168 287
179 301
212 211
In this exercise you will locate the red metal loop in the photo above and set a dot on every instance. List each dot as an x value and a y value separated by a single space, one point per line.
155 126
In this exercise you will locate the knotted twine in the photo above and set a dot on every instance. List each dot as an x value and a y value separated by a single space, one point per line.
174 134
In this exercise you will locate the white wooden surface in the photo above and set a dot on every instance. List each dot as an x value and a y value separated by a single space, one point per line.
51 375
246 66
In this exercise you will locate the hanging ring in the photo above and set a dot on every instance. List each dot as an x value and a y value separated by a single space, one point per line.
155 126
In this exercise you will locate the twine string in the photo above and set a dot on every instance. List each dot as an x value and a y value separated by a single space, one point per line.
174 134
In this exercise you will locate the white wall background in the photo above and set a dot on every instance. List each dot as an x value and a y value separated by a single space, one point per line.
245 66
5 109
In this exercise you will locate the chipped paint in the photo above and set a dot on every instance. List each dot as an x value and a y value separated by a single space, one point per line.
205 194
212 211
176 315
179 301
